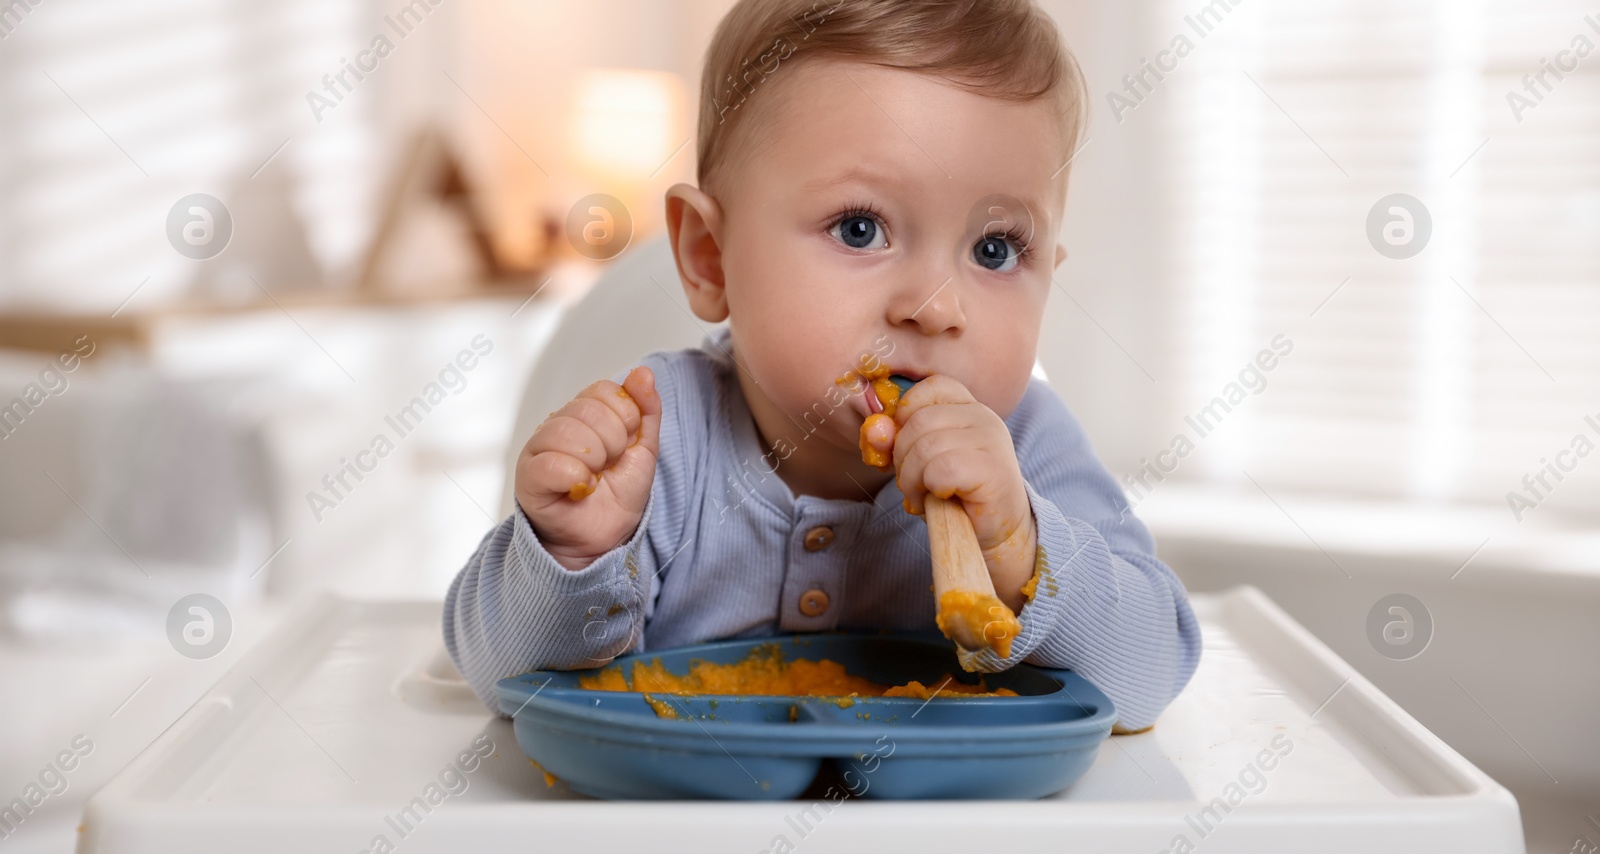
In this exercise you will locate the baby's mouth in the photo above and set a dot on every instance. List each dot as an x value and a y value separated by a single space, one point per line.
880 388
870 396
879 398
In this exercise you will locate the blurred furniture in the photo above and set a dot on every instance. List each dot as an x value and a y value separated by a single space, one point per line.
431 171
53 332
431 175
129 487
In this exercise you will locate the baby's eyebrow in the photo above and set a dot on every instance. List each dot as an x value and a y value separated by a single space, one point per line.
882 181
853 175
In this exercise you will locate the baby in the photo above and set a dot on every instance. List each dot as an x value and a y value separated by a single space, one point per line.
881 187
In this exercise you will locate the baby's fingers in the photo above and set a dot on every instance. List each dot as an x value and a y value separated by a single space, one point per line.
640 386
630 477
548 475
933 462
622 416
570 434
934 390
880 433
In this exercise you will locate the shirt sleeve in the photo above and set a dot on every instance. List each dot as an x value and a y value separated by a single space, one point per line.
1103 606
513 608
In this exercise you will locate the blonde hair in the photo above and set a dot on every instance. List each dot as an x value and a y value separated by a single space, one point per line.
1007 49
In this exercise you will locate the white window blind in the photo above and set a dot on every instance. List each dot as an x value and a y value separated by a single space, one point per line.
113 111
1445 376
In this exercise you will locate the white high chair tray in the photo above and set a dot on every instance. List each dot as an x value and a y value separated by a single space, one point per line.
346 729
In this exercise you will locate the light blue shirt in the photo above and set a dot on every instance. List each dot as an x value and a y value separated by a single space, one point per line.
720 552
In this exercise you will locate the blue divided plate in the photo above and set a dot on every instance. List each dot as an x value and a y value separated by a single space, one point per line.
611 744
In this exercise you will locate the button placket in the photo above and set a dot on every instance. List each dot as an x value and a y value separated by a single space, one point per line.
811 586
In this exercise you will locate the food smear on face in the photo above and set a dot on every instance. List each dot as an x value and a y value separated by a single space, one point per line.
983 615
765 672
887 392
883 399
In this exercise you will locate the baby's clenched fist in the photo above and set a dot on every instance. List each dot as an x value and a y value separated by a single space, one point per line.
584 477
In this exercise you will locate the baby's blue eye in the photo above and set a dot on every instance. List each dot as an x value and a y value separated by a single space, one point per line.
860 232
995 252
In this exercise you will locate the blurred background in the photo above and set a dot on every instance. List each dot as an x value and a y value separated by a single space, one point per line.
240 241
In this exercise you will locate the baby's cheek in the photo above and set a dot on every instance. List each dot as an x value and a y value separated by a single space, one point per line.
1002 388
798 388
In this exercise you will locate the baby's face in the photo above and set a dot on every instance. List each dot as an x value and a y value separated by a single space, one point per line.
880 213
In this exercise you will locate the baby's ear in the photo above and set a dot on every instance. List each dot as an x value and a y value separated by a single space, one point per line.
1061 253
694 225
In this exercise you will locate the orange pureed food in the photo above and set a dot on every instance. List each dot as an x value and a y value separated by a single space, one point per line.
888 395
984 616
765 672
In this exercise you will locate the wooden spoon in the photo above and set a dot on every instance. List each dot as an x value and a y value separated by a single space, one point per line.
969 612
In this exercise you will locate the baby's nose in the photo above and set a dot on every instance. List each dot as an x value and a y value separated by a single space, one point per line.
934 310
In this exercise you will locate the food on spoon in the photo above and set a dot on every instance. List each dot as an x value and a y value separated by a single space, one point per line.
983 616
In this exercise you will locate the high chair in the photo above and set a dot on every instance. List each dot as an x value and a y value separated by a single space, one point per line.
349 723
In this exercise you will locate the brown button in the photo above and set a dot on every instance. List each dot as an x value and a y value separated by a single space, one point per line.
813 602
818 539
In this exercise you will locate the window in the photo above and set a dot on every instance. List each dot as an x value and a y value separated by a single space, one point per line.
1448 375
114 111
